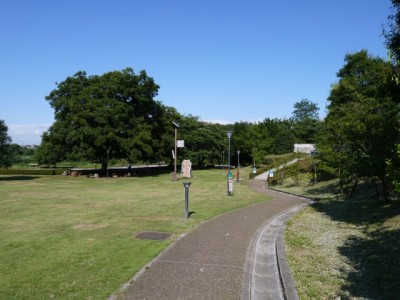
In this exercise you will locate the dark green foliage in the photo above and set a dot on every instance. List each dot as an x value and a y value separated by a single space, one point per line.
361 129
306 123
115 117
6 153
204 142
392 33
258 140
97 117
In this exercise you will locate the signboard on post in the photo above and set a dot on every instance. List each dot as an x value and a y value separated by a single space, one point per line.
180 143
254 169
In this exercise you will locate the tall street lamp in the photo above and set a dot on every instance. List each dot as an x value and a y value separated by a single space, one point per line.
230 179
237 178
176 126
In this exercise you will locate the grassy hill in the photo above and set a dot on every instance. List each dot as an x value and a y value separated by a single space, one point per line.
342 248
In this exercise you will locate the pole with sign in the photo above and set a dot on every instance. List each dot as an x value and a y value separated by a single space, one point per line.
230 183
175 153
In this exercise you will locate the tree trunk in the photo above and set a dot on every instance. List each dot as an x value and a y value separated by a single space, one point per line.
385 190
104 166
353 188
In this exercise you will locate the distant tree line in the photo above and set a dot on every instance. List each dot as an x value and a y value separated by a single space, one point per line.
116 116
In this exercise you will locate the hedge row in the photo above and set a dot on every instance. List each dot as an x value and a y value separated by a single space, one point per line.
31 172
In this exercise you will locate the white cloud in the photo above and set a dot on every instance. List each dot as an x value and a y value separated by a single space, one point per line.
27 134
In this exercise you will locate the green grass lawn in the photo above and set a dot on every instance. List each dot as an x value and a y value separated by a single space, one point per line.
344 248
74 237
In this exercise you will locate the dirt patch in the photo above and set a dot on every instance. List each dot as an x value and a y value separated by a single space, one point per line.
153 235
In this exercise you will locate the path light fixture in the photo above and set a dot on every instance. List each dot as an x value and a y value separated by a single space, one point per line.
230 177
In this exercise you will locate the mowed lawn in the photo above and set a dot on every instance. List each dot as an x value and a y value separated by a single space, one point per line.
74 237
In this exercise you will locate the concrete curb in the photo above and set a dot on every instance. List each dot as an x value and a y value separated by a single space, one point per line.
267 274
266 261
285 273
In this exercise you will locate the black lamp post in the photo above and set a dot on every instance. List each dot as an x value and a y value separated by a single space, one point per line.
229 135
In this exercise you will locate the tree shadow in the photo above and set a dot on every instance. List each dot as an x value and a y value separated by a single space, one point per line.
21 177
324 190
375 257
376 265
358 211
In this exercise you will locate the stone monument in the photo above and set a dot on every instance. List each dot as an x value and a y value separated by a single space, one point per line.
186 169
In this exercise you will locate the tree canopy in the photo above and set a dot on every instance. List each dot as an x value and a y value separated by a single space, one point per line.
115 116
392 33
96 115
306 123
361 128
6 155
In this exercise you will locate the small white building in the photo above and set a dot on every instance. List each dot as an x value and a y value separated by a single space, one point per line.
304 148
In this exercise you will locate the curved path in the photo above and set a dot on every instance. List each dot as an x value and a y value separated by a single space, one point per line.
236 255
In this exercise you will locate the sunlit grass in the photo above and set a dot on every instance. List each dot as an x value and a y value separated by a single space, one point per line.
74 237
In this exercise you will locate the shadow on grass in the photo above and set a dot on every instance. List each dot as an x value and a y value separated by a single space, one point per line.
375 258
376 263
324 190
21 177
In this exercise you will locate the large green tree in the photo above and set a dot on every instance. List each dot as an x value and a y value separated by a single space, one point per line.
392 35
112 115
361 128
392 32
6 154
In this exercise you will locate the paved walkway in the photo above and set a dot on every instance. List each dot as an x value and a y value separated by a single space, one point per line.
238 255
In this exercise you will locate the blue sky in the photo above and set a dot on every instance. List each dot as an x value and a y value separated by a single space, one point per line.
220 60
